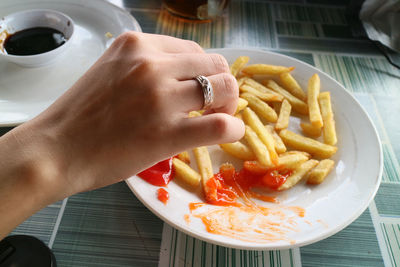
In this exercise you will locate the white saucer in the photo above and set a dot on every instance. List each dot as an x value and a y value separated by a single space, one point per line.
25 92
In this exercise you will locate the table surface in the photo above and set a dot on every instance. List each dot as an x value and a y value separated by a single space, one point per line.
110 227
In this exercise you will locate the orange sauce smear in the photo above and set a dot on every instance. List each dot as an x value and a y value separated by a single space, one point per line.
324 224
246 220
251 223
195 205
186 217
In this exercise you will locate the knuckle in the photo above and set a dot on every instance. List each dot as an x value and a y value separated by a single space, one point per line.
230 85
220 63
196 47
220 125
129 38
228 93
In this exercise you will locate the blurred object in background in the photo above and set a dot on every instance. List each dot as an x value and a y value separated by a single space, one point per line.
381 20
380 23
196 9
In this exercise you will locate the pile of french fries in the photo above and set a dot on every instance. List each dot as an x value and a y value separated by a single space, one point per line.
269 95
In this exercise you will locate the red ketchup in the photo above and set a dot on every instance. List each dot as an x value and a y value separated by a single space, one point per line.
275 178
262 176
159 174
227 185
163 195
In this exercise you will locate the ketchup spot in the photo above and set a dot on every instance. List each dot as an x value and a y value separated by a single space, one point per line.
275 178
159 174
163 195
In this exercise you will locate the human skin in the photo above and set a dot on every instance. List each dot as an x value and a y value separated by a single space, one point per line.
126 113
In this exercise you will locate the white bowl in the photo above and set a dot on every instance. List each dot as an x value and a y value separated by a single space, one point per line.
30 19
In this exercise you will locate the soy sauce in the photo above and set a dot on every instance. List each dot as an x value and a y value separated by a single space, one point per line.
33 41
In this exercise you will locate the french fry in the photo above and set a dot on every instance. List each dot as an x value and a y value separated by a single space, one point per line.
327 118
306 144
194 114
291 85
206 171
239 116
185 173
258 147
238 65
314 86
242 103
292 158
263 96
184 156
298 174
279 145
240 81
276 106
287 153
255 167
261 108
284 115
228 169
297 104
251 119
318 174
238 150
258 86
310 130
264 69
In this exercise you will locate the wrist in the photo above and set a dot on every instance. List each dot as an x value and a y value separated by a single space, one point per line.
28 178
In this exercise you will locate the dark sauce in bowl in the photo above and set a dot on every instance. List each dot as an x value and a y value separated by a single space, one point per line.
33 41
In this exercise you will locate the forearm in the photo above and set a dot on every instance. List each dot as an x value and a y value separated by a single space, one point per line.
26 177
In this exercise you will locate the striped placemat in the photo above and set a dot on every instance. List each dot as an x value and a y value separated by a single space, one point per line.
110 227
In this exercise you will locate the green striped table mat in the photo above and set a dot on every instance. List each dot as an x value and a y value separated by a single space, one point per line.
110 227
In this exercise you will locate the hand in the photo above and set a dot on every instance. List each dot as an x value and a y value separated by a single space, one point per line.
129 111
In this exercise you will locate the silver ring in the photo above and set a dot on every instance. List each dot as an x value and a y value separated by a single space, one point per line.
208 91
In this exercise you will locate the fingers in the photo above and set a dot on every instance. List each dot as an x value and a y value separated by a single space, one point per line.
182 59
157 43
226 94
188 66
216 128
175 45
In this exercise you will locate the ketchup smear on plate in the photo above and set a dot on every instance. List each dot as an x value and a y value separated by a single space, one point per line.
228 184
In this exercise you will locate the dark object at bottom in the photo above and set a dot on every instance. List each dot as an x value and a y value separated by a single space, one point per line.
25 251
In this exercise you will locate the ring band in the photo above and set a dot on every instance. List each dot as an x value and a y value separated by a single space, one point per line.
208 91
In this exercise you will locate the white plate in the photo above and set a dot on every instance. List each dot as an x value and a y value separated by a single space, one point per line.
329 207
25 92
